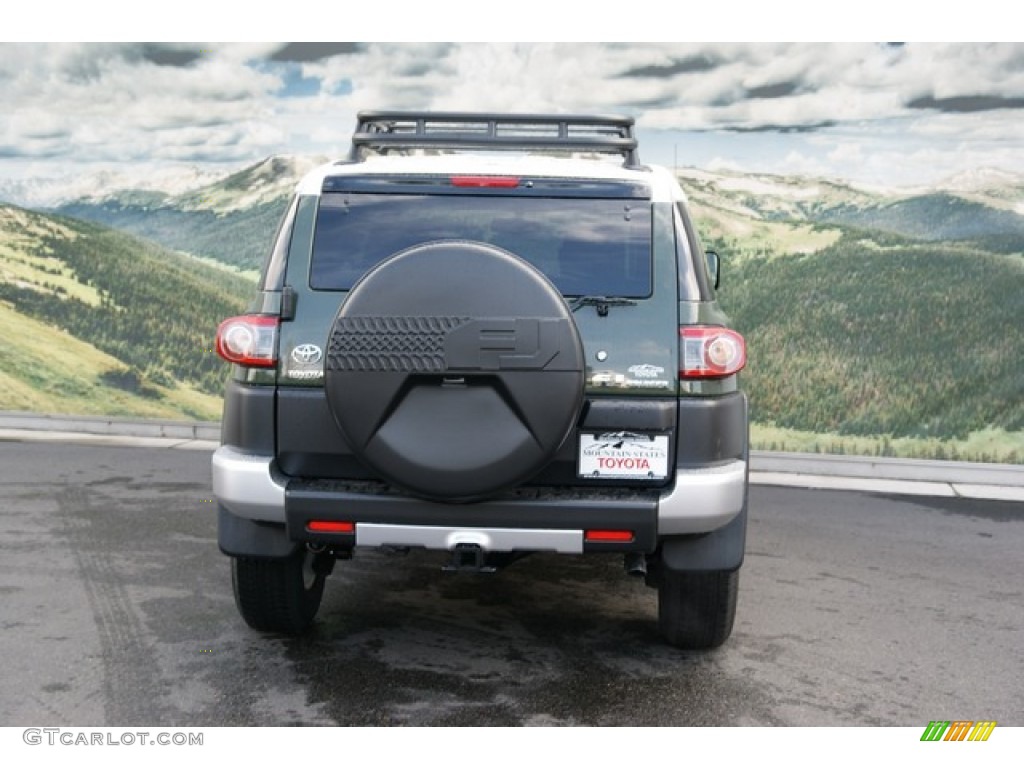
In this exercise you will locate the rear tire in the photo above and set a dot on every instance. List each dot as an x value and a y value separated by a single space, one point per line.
696 609
280 594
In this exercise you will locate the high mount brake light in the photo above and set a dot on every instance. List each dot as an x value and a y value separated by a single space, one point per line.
710 352
249 340
500 182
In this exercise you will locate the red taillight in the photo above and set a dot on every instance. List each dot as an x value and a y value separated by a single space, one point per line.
501 182
330 526
710 353
249 340
601 535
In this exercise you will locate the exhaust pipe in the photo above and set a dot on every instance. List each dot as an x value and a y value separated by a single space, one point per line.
635 563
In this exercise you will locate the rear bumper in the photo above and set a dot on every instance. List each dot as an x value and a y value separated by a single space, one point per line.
702 500
248 485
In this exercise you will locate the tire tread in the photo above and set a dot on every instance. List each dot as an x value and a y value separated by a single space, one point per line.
270 594
696 610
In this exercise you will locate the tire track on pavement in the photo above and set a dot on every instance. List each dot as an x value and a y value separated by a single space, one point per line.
131 672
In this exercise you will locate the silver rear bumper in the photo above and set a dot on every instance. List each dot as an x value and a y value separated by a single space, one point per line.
702 500
248 485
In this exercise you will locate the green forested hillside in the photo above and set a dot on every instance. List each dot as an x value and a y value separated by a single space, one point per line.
862 338
151 313
232 220
935 217
872 319
883 338
241 238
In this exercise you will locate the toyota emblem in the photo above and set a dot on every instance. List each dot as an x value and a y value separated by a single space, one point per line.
307 354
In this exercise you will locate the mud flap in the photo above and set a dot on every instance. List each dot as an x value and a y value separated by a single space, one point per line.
720 550
241 537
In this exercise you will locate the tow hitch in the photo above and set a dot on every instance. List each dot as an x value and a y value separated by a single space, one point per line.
471 558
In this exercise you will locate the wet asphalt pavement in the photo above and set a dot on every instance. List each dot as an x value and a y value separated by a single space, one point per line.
855 609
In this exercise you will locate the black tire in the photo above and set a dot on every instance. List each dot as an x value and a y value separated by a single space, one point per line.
279 594
696 609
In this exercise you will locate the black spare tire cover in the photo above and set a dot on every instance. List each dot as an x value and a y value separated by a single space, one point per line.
454 370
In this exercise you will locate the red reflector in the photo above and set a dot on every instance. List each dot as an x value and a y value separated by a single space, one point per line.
503 182
330 526
608 536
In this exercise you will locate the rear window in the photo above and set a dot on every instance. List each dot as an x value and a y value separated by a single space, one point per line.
585 246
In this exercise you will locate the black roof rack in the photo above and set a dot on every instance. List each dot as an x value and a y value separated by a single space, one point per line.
605 134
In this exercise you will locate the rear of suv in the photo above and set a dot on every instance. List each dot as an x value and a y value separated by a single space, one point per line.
489 335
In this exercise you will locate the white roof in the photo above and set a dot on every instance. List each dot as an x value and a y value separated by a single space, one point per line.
663 187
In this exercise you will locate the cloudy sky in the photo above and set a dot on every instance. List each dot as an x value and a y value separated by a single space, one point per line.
880 113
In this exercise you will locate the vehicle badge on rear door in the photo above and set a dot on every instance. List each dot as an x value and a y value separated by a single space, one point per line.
646 371
307 354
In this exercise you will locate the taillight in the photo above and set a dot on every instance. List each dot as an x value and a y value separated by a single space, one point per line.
709 352
249 340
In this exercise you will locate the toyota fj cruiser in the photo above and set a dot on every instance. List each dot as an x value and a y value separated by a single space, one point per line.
488 335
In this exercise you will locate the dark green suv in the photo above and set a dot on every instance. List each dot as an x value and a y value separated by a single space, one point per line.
488 335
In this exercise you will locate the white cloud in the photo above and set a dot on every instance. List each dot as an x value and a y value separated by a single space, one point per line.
108 101
846 153
204 102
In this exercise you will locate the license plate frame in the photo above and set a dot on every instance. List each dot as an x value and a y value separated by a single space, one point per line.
623 455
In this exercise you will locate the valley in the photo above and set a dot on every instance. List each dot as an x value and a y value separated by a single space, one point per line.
878 321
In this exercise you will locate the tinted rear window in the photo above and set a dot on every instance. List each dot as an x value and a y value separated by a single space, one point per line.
586 247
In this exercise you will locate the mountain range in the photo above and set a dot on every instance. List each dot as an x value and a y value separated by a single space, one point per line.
868 311
231 219
984 206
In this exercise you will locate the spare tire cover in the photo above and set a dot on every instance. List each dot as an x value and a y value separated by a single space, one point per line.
454 370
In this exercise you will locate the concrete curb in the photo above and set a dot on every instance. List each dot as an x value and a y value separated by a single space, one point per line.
905 477
902 477
109 425
918 470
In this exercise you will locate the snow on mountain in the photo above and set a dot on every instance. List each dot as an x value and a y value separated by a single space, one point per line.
264 182
775 186
186 188
989 186
767 196
981 180
993 187
97 185
213 188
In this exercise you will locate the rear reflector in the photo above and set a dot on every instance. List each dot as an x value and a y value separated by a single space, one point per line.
249 340
501 182
710 352
330 526
598 535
